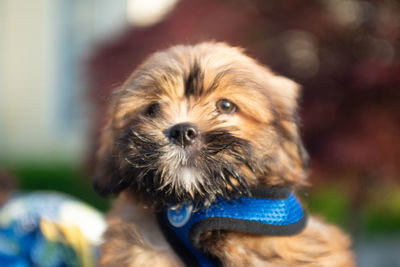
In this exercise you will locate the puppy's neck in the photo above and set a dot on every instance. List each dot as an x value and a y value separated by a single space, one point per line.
270 211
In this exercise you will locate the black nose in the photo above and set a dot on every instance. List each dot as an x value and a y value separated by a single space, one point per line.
183 134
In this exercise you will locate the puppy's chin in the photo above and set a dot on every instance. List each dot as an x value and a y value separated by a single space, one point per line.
185 184
187 177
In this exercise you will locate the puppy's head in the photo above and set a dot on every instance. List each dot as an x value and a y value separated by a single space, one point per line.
196 122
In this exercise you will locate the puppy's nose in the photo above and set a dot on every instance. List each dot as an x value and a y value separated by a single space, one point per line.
183 134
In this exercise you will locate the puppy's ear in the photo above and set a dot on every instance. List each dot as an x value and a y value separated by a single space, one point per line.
108 179
284 93
105 166
292 157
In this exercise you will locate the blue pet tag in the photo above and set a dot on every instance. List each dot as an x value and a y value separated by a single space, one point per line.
179 216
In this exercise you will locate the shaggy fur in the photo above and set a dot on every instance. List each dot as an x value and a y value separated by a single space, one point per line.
249 140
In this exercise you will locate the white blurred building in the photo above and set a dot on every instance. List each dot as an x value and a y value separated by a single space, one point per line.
44 45
43 48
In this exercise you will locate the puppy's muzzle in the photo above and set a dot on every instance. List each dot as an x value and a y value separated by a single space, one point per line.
183 134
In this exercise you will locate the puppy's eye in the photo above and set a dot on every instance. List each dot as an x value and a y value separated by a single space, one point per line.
225 106
152 110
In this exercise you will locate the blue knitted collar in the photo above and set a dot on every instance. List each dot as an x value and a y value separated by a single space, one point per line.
273 211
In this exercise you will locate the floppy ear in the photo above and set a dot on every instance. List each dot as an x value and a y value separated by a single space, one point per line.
108 178
292 156
105 166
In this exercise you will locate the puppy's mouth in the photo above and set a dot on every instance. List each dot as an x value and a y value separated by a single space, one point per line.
191 166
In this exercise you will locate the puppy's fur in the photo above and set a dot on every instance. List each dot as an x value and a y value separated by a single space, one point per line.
255 144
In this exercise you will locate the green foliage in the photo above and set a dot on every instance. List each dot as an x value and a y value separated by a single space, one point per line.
331 204
63 178
382 212
378 213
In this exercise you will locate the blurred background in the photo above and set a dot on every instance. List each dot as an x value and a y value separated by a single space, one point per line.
60 59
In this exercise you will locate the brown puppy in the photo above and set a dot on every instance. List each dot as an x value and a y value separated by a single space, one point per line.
192 124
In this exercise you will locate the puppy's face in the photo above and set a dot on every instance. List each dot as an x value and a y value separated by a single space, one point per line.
196 122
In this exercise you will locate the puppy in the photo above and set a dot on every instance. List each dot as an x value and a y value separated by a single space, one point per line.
200 125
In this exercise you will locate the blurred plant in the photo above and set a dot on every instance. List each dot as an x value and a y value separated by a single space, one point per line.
58 177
